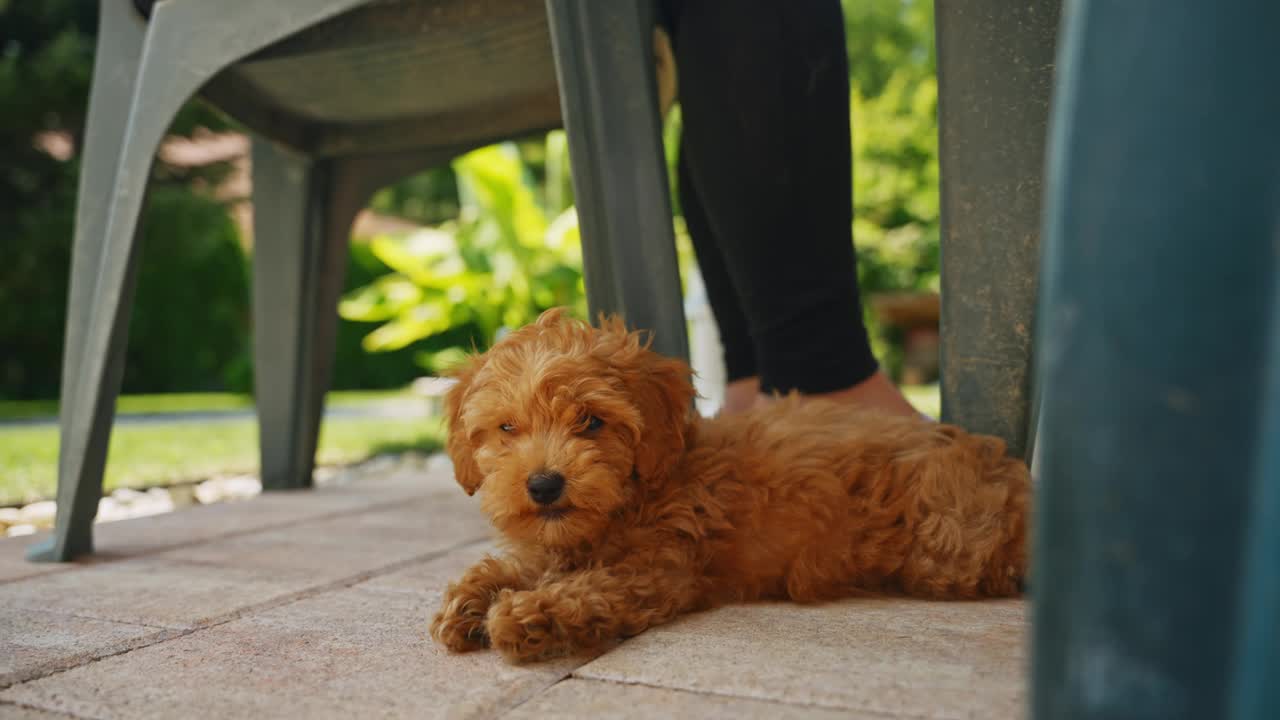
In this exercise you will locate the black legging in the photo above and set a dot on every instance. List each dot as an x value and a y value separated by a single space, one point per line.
765 183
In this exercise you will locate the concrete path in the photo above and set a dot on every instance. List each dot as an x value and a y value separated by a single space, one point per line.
316 605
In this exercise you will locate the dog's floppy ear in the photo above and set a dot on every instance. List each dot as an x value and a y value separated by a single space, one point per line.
663 391
458 446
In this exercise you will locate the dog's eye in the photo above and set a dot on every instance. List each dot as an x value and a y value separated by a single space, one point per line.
507 427
594 423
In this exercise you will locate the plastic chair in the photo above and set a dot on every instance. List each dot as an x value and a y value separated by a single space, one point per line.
345 96
995 79
1157 585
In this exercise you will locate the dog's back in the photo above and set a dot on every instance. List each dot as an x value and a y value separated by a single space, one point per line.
827 499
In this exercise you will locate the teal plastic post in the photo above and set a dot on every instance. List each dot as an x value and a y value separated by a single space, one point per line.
1155 576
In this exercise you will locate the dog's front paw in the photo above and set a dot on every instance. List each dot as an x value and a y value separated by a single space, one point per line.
459 625
520 627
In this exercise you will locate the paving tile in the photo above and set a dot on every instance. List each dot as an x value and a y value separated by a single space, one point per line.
432 577
13 561
345 653
152 591
894 657
131 538
429 477
139 536
9 711
577 698
336 548
35 642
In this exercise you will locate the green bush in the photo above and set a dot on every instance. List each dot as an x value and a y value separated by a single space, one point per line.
429 197
189 325
190 322
893 111
33 292
895 186
354 367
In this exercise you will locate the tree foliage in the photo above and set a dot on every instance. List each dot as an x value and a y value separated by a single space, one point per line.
506 258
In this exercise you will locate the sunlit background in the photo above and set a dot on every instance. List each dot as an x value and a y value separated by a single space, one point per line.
439 263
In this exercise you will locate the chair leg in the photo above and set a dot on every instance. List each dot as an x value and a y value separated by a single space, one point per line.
303 213
608 95
1256 694
291 259
162 84
299 261
1159 339
115 66
995 70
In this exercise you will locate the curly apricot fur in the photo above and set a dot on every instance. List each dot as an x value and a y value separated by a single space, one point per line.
665 513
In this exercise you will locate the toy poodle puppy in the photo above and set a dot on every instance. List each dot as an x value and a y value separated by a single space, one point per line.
622 509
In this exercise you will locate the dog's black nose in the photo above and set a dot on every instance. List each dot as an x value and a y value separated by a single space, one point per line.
545 487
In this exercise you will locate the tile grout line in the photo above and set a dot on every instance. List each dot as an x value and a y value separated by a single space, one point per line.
74 565
566 676
91 618
55 667
534 694
60 713
713 693
168 634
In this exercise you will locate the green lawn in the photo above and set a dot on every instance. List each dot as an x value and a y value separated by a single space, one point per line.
158 454
161 454
149 454
184 402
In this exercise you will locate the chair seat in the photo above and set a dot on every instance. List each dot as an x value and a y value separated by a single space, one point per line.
399 74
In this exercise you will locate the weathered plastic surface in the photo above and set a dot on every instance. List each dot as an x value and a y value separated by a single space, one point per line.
304 208
173 64
114 71
604 60
995 72
1158 549
300 252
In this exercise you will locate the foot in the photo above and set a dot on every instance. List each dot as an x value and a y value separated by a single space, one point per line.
459 625
521 628
740 395
877 391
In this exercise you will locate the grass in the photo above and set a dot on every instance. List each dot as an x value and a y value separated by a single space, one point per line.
184 402
162 454
143 455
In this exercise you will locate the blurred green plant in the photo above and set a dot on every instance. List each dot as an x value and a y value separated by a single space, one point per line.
507 257
895 186
893 109
429 197
190 324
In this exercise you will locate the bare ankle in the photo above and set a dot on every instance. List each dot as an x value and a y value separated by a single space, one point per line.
877 391
740 395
